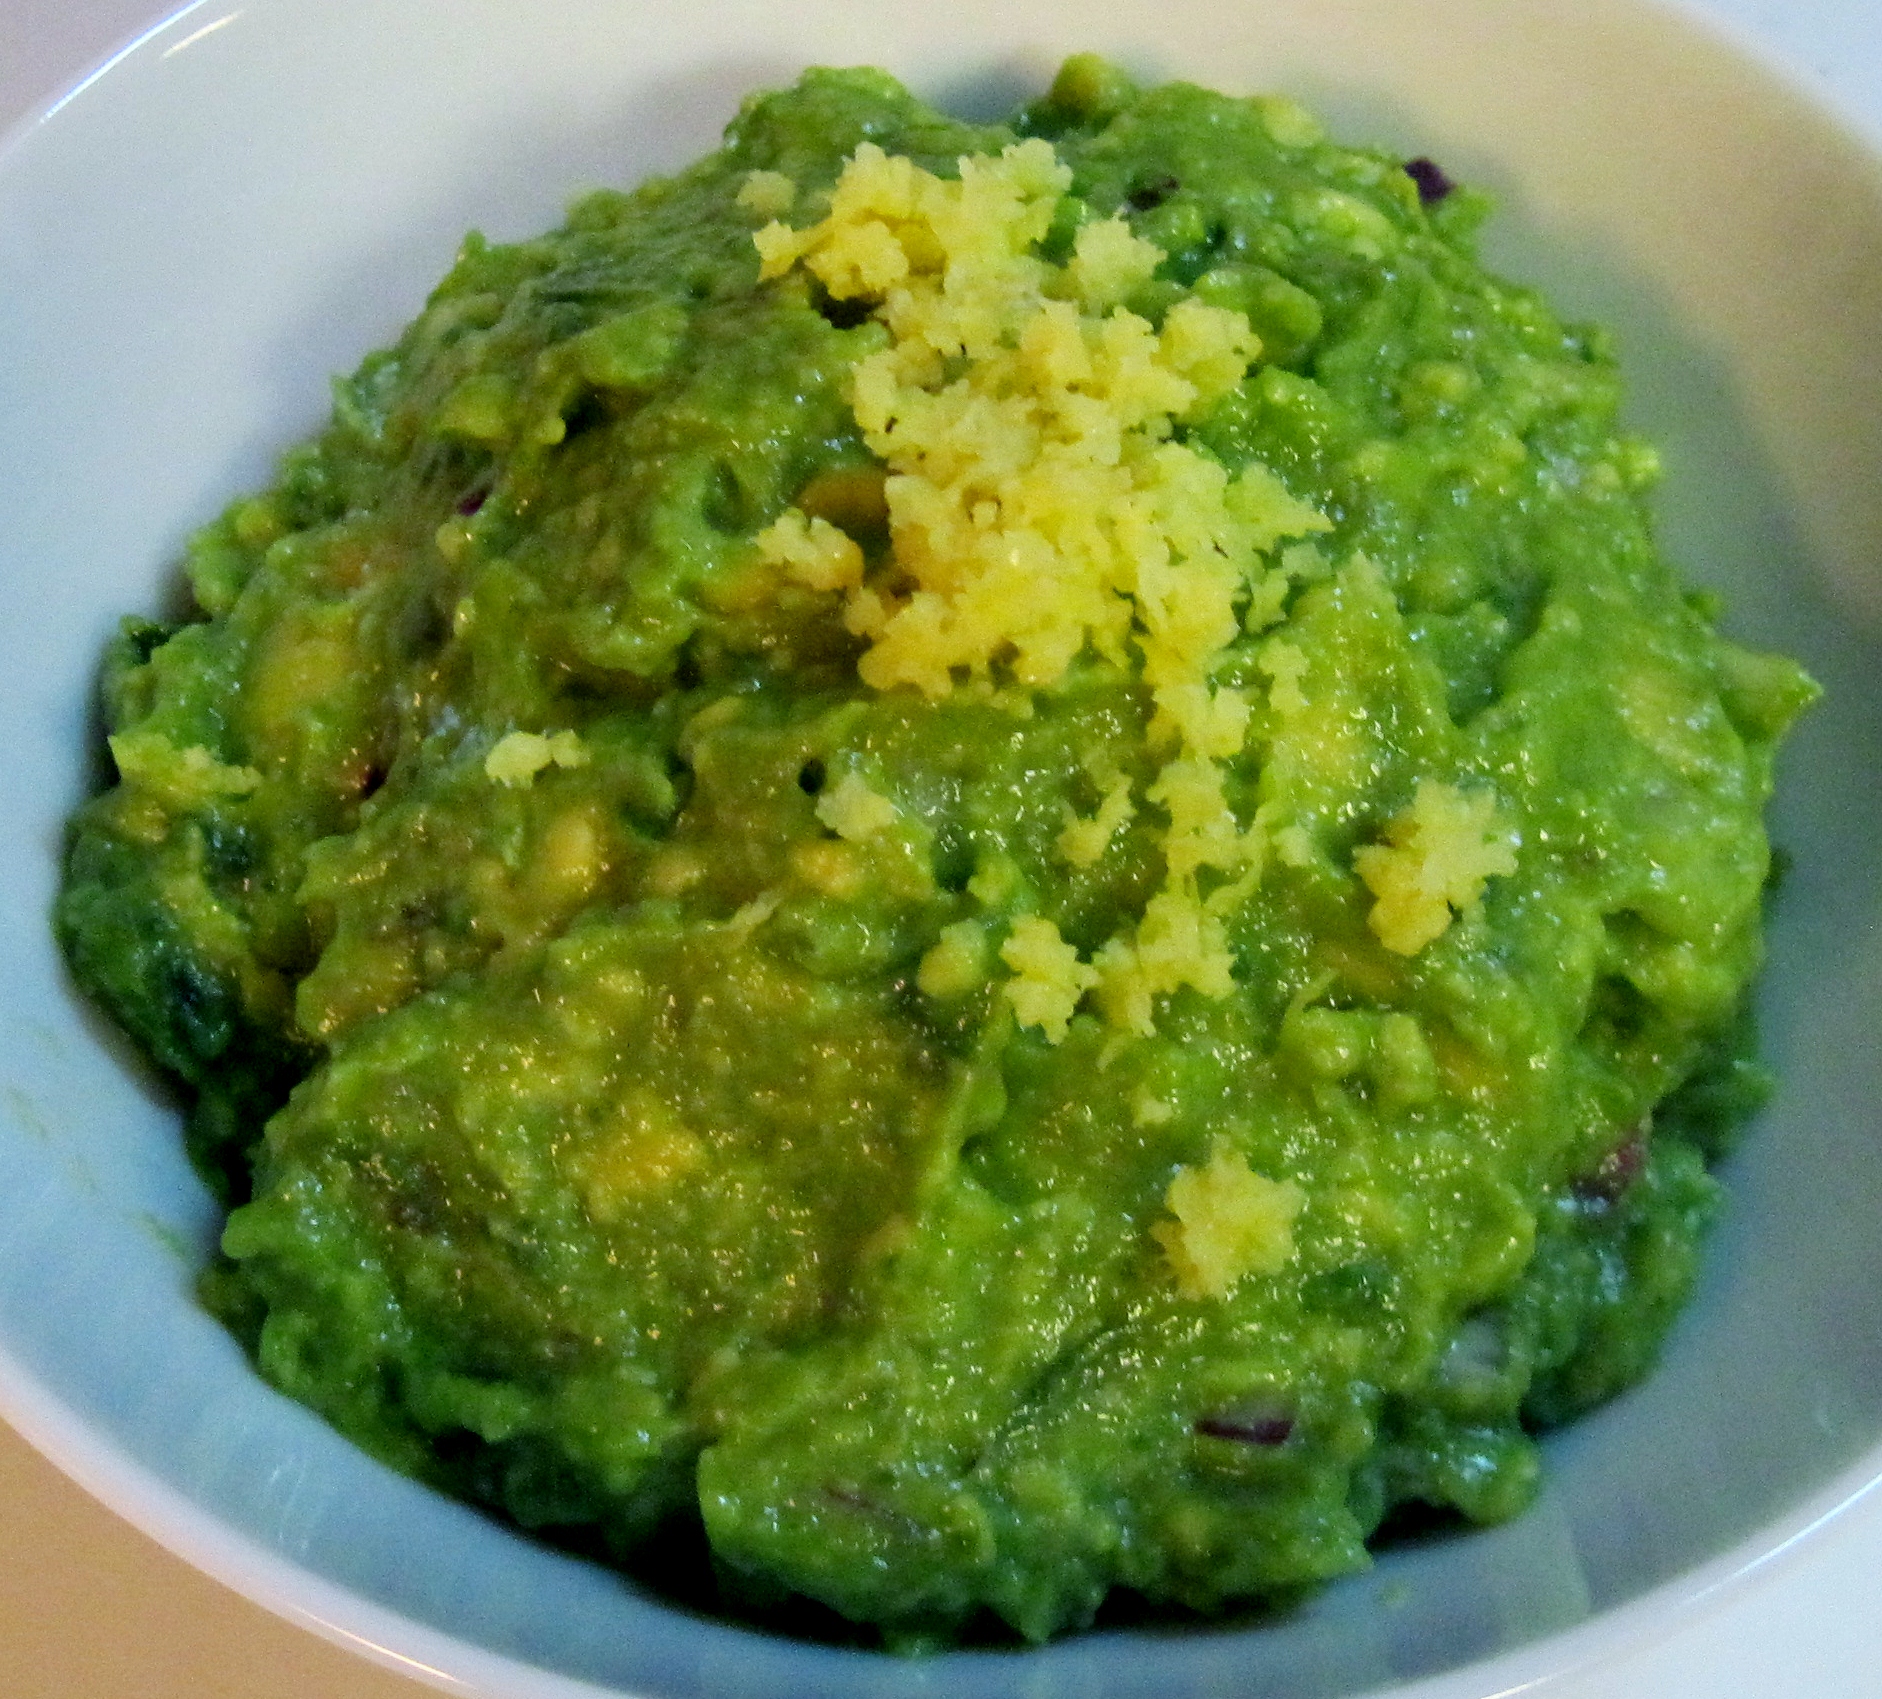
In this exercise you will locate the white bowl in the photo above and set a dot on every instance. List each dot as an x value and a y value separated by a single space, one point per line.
252 198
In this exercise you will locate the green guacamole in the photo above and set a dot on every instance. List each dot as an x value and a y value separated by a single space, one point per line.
606 1015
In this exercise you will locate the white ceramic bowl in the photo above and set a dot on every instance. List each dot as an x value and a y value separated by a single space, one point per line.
253 197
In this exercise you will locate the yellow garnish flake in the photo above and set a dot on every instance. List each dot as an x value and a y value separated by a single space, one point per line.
517 757
1285 665
1203 831
813 552
1048 978
1437 855
1040 508
1178 942
1083 842
1229 1222
855 812
1108 262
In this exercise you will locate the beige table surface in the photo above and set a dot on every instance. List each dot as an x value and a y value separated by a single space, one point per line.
91 1609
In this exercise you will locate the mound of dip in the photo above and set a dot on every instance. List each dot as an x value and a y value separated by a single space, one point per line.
959 865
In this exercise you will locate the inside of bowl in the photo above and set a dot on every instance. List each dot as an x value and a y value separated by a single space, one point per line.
177 302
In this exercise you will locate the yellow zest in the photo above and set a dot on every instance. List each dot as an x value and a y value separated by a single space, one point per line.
1229 1222
1437 855
517 758
1048 978
1040 509
853 811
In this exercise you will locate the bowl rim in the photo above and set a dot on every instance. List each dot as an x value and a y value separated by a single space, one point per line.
400 1643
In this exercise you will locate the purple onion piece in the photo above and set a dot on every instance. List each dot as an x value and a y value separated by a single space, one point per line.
1254 1424
864 1504
1616 1171
1433 181
472 499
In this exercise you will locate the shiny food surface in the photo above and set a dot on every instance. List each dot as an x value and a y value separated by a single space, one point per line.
648 1173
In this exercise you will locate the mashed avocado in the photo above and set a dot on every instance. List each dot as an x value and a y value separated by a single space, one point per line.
972 864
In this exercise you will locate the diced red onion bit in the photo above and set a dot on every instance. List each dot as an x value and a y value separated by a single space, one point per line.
1433 181
1618 1170
864 1504
1256 1424
473 499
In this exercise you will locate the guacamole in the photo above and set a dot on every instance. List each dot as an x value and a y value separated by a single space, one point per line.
954 868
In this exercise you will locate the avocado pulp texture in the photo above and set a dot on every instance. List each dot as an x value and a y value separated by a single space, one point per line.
598 1147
